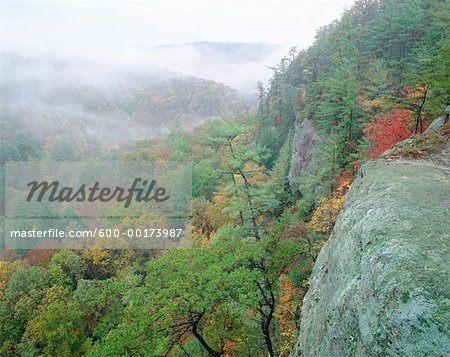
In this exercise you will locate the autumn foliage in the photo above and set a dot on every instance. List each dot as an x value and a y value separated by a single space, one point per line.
41 255
287 307
324 217
387 129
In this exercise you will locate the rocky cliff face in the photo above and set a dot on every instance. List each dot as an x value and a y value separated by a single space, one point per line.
381 284
304 163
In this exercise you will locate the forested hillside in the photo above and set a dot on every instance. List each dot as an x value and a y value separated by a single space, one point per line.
93 105
375 77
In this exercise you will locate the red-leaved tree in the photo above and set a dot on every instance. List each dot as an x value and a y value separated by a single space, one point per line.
43 253
387 129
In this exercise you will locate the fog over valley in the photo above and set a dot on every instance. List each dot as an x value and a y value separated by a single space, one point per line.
164 87
109 75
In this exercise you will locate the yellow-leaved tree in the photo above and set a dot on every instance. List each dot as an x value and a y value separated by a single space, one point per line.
324 216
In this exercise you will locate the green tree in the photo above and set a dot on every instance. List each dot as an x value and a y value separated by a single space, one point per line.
60 329
66 268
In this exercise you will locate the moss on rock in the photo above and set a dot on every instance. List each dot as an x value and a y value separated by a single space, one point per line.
380 286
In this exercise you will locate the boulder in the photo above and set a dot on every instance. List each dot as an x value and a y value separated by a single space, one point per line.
381 283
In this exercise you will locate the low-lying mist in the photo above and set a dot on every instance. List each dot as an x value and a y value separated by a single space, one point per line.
114 99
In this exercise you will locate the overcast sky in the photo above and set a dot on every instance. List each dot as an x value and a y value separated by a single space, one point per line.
109 34
110 26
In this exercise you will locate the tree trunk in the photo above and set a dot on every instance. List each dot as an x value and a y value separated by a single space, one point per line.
252 210
202 341
265 326
241 214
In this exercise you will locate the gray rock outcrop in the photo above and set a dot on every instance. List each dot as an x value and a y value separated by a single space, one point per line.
439 122
381 284
304 164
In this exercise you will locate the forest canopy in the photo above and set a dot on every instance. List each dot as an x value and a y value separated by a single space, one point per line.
376 76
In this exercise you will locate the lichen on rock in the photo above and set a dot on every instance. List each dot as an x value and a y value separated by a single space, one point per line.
380 285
